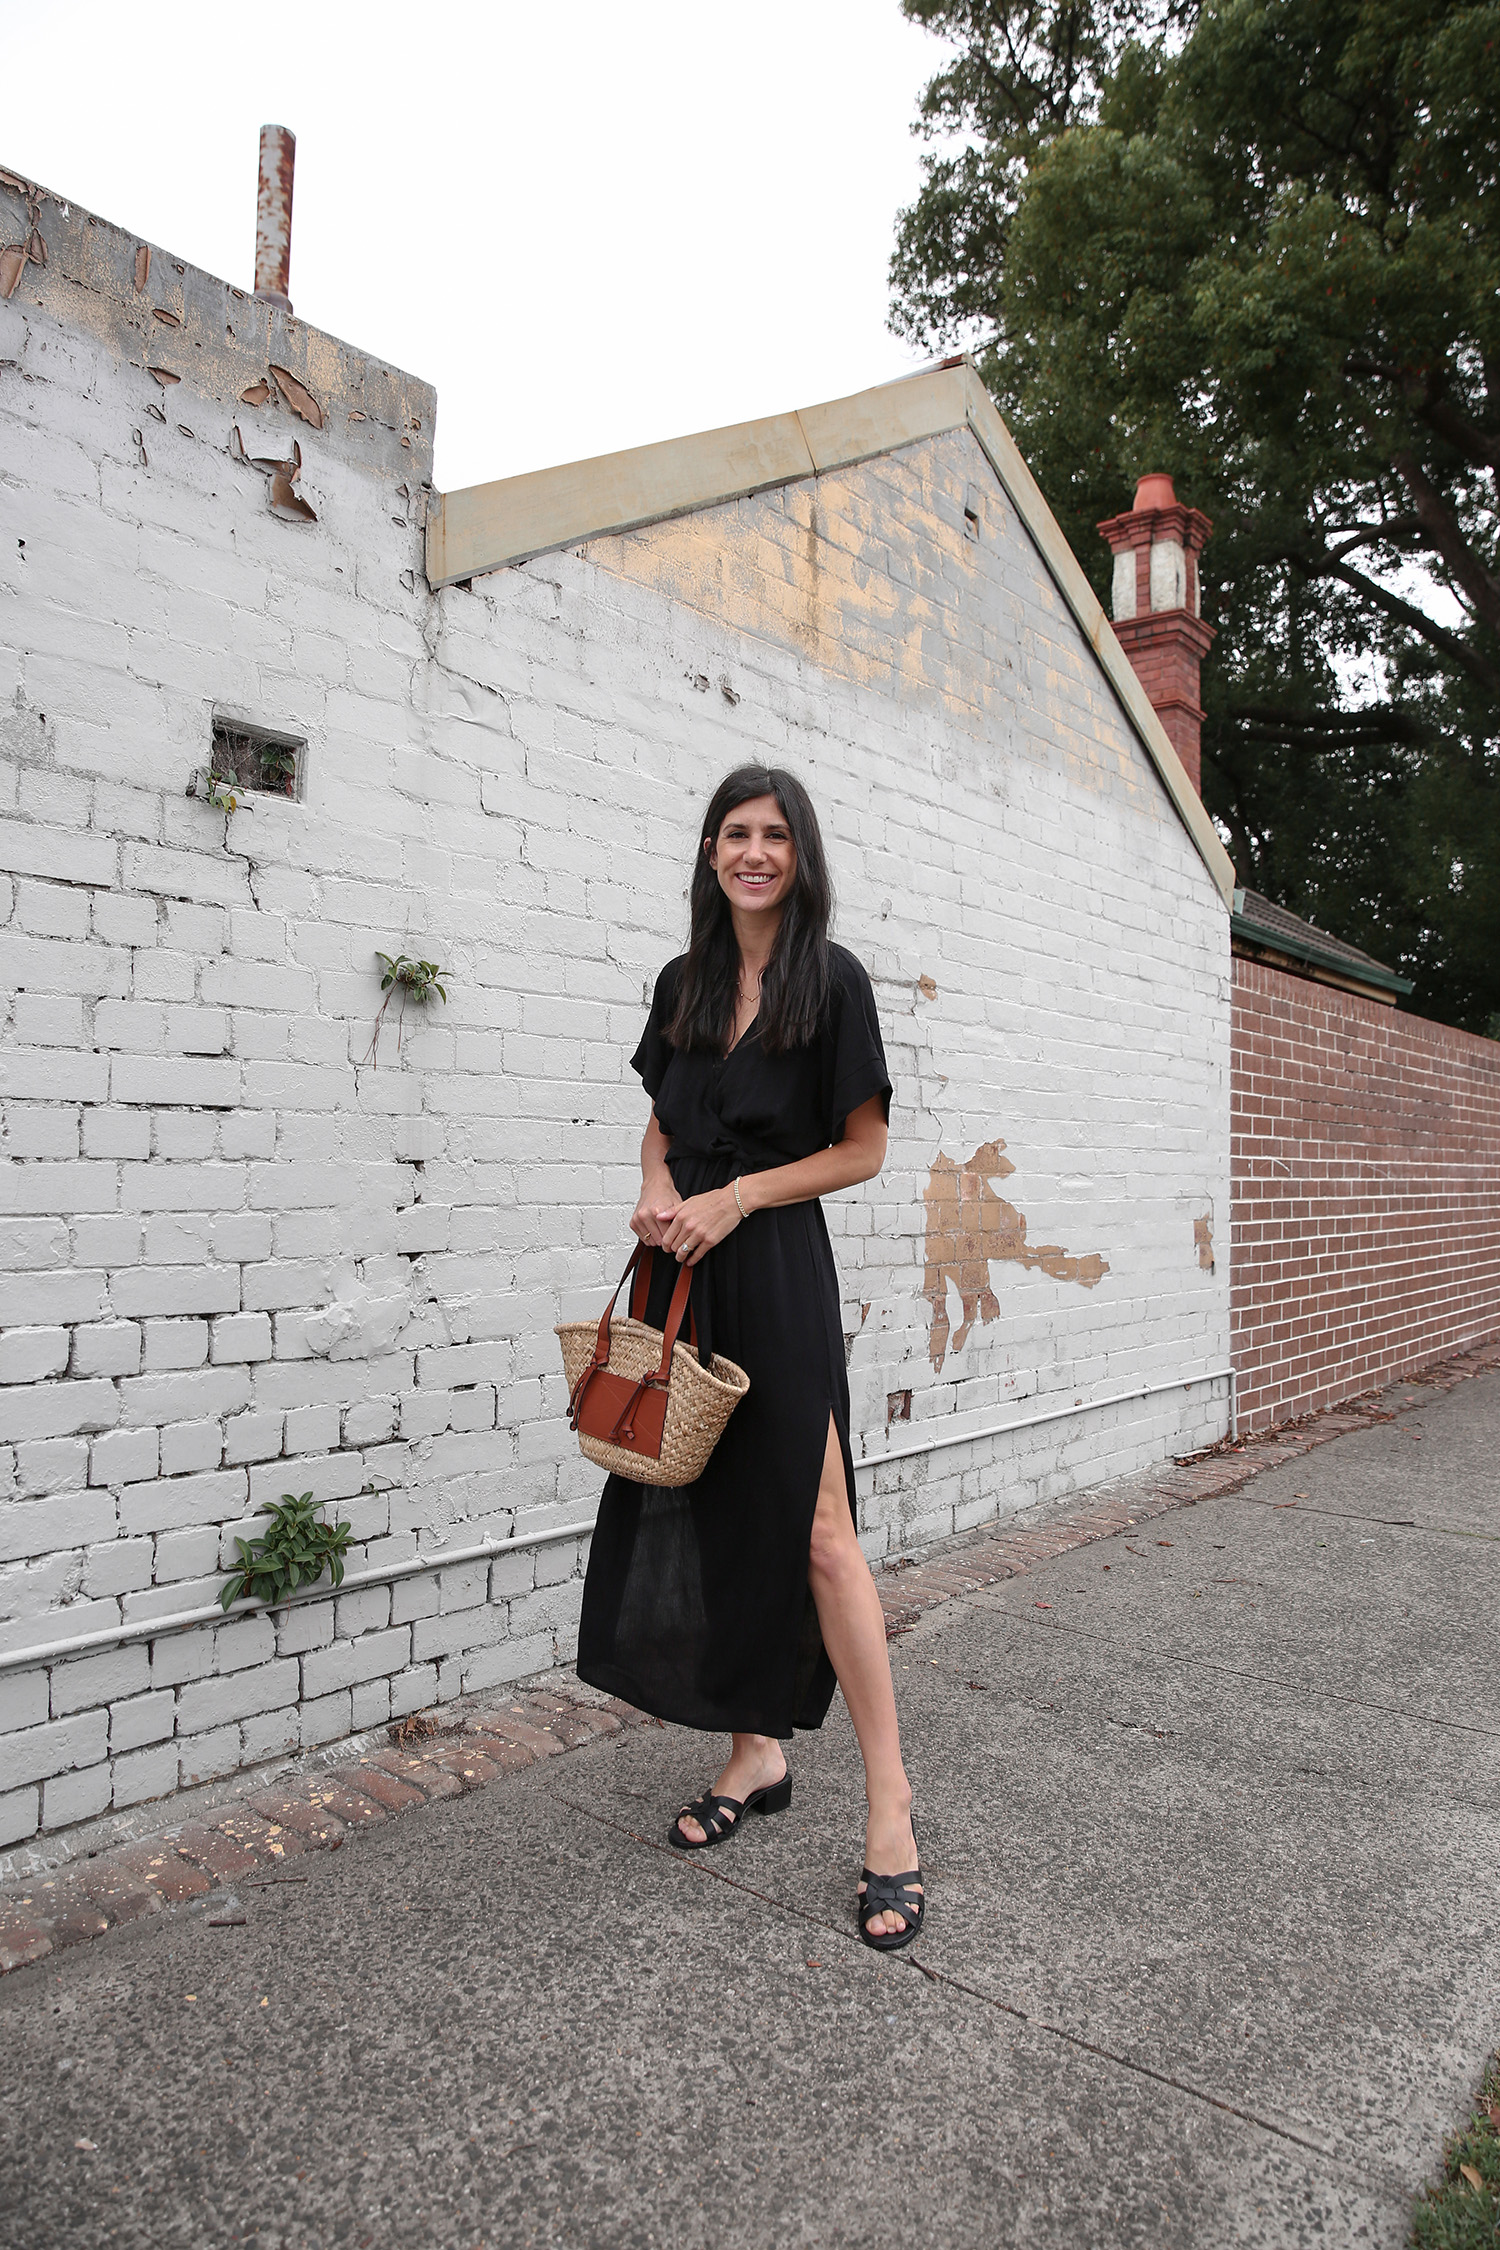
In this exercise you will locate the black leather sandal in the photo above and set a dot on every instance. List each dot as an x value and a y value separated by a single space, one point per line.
890 1894
719 1817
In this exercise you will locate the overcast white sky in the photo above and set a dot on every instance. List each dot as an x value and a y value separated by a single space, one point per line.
590 225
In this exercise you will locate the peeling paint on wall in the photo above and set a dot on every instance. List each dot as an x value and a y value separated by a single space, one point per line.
15 257
65 263
298 397
1203 1239
283 475
968 1226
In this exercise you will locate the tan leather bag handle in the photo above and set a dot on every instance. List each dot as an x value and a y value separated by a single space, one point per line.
639 1264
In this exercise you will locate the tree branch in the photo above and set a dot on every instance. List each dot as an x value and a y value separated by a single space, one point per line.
1332 730
1464 434
1401 530
1405 613
1430 399
1441 526
1360 363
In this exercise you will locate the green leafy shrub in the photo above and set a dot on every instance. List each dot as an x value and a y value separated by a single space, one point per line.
296 1550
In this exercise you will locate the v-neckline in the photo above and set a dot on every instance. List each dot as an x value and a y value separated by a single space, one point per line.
744 1035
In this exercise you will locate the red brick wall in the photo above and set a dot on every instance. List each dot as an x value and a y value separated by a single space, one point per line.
1167 648
1365 1197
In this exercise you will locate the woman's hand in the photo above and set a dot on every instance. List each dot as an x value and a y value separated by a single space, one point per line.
659 1201
695 1226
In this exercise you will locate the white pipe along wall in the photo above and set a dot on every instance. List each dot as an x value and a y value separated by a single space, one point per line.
247 1248
49 1652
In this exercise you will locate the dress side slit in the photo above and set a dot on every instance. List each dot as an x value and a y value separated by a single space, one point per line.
697 1606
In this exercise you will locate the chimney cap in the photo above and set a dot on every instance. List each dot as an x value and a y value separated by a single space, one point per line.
1154 491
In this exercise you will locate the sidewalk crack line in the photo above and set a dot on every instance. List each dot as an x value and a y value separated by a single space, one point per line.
988 2000
1233 1672
1355 1515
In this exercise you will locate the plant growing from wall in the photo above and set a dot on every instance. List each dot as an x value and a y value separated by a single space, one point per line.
295 1551
416 981
220 791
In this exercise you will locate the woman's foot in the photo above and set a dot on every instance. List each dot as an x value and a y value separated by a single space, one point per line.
890 1849
755 1762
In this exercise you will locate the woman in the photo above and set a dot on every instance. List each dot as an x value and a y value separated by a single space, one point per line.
734 1602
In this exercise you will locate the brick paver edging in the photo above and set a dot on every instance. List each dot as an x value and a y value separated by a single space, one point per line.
442 1755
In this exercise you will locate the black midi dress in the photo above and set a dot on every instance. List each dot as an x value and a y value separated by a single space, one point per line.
696 1605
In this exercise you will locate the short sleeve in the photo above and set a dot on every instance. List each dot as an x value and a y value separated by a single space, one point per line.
652 1056
858 1067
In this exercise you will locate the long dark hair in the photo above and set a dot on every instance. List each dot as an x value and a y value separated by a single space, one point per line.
794 989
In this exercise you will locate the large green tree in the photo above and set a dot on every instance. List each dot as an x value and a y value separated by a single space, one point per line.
1256 243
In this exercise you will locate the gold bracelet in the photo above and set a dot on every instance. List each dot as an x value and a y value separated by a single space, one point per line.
744 1214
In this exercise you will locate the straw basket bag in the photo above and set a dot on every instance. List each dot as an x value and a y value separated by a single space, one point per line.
642 1403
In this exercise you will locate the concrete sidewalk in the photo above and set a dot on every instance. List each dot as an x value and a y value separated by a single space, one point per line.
1210 1816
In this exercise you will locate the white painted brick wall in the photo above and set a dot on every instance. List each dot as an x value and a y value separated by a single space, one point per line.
238 1260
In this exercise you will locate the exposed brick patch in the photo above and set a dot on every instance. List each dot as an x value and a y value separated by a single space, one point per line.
573 1723
510 1757
464 1753
351 1806
540 1741
421 1774
119 1896
387 1791
305 1816
267 1842
223 1856
469 1763
162 1869
22 1942
77 1924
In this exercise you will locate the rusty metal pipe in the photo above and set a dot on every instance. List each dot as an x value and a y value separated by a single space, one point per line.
273 215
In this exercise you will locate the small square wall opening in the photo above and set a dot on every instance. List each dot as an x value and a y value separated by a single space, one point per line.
258 757
897 1407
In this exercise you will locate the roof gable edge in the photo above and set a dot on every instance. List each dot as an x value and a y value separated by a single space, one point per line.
485 527
1026 497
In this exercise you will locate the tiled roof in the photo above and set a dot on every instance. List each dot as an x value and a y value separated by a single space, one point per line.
1259 923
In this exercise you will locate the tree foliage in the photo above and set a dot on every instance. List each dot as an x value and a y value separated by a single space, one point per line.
1256 243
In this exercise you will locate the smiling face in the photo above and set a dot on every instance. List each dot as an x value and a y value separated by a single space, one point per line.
754 857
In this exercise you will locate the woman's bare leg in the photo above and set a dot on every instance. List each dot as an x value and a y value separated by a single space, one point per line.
853 1626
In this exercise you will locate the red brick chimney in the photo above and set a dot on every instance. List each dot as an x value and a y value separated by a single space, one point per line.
1156 549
